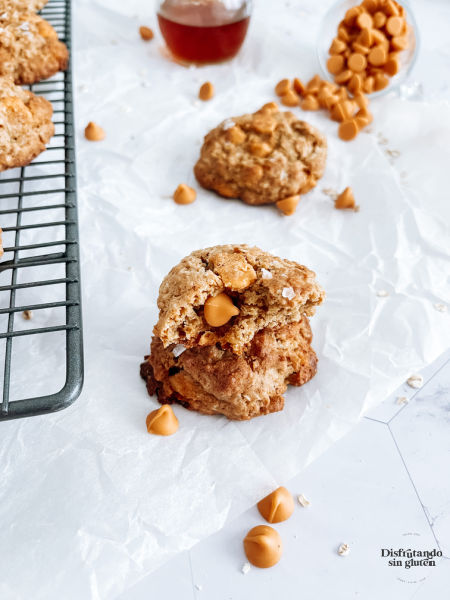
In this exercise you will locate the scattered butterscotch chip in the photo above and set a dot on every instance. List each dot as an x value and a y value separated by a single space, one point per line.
184 194
392 66
344 76
27 315
380 82
93 132
348 130
290 98
379 19
346 199
162 421
335 64
282 87
298 86
377 56
262 546
219 309
337 46
309 102
206 91
288 205
146 33
277 506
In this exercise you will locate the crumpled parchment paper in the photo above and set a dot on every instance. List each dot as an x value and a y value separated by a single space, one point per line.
89 501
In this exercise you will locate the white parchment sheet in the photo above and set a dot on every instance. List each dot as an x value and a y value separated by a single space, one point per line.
89 502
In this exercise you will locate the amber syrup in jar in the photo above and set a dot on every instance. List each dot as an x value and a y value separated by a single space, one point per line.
204 31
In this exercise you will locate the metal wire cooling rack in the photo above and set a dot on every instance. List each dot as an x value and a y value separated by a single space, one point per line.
39 272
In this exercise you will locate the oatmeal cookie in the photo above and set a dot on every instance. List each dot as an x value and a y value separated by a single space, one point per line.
25 125
265 291
29 47
262 158
24 5
212 381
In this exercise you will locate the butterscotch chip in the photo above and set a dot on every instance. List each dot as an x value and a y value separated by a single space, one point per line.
309 102
206 91
391 8
345 200
365 38
26 125
343 34
212 380
260 149
392 66
184 194
185 290
283 87
355 84
277 506
162 421
288 205
29 47
338 112
269 107
364 21
357 47
363 118
314 85
290 98
343 77
394 25
379 19
219 309
357 62
236 135
342 94
381 81
370 5
262 546
348 130
361 100
351 15
299 87
337 46
399 42
93 132
368 85
326 98
296 162
146 33
335 64
380 39
377 56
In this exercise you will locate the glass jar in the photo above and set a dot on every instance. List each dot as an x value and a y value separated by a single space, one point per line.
204 31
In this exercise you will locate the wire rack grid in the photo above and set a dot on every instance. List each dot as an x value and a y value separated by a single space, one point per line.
39 272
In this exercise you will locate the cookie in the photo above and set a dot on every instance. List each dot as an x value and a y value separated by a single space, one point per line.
24 5
29 47
212 381
26 125
262 158
263 291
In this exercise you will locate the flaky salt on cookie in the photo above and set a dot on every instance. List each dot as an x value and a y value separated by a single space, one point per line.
267 291
26 125
262 158
29 47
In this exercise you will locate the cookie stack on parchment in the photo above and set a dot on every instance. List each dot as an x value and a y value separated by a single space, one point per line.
29 52
233 332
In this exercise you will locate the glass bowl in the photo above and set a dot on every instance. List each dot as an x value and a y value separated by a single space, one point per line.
328 31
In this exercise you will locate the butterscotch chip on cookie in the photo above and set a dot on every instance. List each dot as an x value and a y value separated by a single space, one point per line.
266 291
262 158
27 126
29 47
212 381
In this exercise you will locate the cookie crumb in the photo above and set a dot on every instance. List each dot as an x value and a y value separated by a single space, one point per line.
266 274
440 307
288 293
27 315
178 350
333 194
343 550
402 400
93 132
146 33
245 568
303 501
382 293
415 381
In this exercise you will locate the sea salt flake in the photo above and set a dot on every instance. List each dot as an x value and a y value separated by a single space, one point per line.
402 400
440 307
303 501
343 550
283 175
382 293
245 568
266 274
415 381
288 293
24 26
178 350
228 124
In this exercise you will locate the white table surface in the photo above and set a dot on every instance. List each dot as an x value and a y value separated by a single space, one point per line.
385 485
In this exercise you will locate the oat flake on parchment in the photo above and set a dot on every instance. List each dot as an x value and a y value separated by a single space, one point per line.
440 307
245 568
415 381
303 501
343 550
330 192
382 293
402 400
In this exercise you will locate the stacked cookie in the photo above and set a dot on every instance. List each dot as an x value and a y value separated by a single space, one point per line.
29 52
233 332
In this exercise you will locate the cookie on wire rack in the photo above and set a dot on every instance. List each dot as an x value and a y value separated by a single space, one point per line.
29 47
25 5
25 125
